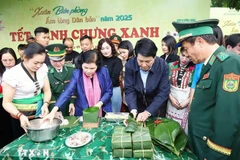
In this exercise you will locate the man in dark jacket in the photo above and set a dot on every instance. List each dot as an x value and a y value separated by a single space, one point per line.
70 53
146 81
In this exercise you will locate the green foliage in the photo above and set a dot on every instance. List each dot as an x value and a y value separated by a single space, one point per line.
232 4
132 124
168 135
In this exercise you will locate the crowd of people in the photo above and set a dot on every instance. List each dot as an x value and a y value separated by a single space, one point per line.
196 84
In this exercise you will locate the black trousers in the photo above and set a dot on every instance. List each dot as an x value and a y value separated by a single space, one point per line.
17 129
6 132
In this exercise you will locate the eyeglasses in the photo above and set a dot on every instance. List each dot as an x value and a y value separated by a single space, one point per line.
37 85
7 60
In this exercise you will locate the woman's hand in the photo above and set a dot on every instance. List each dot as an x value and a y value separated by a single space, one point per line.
51 115
44 109
99 104
174 102
185 103
71 109
59 115
24 122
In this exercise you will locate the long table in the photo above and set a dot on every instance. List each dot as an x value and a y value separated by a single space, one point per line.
98 149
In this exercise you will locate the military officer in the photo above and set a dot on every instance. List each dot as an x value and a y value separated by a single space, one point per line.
59 76
116 40
214 123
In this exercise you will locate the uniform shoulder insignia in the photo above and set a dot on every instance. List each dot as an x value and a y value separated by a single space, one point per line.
231 82
222 56
211 61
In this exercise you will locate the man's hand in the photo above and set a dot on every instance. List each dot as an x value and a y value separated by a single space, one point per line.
134 112
143 116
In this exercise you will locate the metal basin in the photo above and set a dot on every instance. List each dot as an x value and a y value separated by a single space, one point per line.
40 132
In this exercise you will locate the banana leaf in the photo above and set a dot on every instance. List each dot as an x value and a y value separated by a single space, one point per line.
124 153
168 135
121 139
181 141
158 143
132 124
141 139
150 124
143 153
90 115
166 132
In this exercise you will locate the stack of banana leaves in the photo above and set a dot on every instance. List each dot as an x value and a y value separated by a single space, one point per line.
167 134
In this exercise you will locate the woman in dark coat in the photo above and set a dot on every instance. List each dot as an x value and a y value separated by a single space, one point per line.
169 49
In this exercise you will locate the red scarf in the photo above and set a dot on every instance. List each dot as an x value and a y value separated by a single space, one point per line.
92 90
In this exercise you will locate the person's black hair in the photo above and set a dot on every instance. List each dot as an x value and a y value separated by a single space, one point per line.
89 56
146 47
209 38
22 46
86 37
33 49
233 40
2 52
171 44
108 41
225 38
127 45
41 30
217 31
68 38
181 49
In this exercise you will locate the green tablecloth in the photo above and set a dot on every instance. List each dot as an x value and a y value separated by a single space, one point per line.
98 148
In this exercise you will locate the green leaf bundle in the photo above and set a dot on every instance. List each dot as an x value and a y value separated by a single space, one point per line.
132 124
168 135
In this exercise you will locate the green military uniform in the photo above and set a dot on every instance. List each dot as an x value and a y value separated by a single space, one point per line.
214 121
59 79
58 82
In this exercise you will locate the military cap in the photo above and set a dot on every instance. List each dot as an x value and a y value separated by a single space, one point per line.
116 39
196 28
56 52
